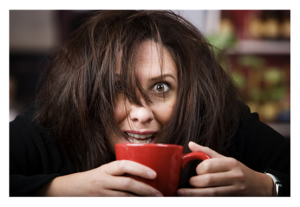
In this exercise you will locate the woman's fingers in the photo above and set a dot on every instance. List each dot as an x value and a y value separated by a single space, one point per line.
194 147
125 166
123 183
213 179
119 182
217 172
215 191
216 165
115 193
112 193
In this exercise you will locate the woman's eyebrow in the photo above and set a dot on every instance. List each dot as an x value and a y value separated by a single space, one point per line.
162 77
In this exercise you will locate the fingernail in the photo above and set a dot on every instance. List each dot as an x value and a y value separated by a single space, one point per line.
158 195
180 192
151 174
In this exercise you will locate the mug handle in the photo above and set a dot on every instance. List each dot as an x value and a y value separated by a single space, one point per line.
192 156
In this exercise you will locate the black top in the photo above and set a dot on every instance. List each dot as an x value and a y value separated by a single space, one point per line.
35 159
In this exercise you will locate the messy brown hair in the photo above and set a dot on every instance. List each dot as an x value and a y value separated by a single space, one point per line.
77 98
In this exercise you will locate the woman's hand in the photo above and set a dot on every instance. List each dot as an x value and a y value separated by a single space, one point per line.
225 176
106 180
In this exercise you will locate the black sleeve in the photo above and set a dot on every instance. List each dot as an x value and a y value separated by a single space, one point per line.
35 158
263 149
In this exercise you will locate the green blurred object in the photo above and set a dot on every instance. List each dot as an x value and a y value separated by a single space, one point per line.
222 41
255 94
251 61
239 79
272 76
277 93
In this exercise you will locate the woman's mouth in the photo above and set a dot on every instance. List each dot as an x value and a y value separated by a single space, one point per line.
140 138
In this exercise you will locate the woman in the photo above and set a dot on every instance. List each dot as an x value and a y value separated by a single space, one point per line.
140 77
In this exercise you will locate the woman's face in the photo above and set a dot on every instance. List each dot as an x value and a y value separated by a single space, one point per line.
143 123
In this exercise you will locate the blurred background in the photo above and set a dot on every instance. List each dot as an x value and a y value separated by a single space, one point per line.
257 43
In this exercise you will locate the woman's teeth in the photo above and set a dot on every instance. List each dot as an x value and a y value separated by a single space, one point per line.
140 138
135 141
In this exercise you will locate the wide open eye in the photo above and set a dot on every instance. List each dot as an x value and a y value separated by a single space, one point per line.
161 87
118 86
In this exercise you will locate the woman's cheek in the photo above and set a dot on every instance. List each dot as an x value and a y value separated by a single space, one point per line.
163 112
119 109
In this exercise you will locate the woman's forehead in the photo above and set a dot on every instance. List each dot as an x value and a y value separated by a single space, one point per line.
151 60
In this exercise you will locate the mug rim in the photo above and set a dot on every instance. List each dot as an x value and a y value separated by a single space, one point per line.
149 145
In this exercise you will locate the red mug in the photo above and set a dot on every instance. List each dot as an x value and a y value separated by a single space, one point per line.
166 160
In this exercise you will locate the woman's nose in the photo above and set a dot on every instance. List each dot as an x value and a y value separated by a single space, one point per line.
142 114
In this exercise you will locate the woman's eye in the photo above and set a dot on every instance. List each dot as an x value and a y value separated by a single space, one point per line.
118 86
161 87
